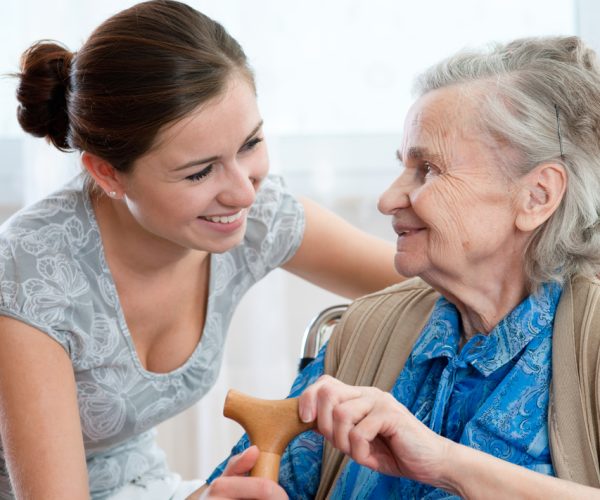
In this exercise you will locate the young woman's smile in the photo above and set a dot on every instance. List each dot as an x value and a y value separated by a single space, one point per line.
225 223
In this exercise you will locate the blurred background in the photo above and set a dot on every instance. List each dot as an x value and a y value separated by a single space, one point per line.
334 83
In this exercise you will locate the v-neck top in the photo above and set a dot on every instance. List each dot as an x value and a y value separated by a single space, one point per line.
54 277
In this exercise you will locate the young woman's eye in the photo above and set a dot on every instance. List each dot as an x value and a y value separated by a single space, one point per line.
252 143
200 175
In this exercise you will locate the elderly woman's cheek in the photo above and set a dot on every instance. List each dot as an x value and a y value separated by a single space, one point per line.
447 236
452 208
449 202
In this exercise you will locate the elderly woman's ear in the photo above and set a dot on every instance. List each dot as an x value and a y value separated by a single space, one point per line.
540 194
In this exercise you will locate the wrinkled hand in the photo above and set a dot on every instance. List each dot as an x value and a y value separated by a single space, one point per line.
375 430
234 483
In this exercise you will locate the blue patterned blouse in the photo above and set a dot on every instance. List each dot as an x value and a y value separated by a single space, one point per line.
491 395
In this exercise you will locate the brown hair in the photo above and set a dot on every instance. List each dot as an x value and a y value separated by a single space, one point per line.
141 69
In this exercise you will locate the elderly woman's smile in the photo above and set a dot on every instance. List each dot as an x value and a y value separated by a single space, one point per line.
404 232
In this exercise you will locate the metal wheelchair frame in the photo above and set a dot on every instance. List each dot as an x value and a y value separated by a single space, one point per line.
318 332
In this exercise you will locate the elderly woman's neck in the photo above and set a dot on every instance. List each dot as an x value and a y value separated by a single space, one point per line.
482 305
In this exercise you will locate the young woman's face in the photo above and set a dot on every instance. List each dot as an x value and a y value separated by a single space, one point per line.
195 187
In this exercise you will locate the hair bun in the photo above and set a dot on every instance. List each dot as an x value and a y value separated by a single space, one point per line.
42 92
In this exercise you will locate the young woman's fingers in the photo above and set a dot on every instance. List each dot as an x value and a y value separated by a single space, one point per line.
245 487
242 464
235 484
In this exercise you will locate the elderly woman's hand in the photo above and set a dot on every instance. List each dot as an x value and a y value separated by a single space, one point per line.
375 430
235 484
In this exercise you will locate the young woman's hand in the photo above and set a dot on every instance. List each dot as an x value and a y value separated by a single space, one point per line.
375 430
234 483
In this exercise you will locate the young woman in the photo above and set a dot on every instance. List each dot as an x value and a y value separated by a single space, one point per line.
116 292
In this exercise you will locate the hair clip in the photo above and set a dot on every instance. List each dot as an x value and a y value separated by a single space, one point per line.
558 130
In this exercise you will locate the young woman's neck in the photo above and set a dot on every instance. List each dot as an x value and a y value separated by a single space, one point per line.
135 248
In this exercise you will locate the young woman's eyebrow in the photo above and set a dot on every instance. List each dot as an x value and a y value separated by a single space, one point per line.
256 129
215 158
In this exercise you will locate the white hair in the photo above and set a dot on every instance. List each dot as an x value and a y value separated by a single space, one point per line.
542 97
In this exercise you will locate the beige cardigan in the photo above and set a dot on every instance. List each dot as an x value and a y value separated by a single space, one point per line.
377 333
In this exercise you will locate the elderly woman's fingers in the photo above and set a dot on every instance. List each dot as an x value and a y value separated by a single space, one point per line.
319 399
345 417
307 402
393 441
362 424
369 443
373 428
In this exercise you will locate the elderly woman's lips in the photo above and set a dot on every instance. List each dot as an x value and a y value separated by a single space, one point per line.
408 232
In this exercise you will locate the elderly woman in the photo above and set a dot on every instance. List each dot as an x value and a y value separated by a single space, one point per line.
485 365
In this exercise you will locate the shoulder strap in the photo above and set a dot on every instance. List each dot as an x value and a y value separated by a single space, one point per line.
377 333
370 346
573 415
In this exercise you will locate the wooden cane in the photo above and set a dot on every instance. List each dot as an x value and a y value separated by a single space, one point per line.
270 424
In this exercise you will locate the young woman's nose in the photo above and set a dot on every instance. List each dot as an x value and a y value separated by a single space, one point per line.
241 187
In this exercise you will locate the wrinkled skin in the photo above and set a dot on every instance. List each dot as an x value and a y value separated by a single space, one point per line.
458 203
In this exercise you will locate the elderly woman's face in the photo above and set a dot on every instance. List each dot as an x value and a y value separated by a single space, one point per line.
452 205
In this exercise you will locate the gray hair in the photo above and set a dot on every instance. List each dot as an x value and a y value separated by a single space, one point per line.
542 97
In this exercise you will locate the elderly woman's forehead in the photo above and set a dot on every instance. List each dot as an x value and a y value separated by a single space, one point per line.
446 103
443 111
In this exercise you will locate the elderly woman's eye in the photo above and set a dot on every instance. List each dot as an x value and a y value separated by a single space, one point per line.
428 168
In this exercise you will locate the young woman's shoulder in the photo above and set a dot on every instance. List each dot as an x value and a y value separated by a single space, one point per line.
55 207
42 248
60 222
275 227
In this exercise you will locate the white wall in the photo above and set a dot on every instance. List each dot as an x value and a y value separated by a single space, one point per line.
335 69
587 17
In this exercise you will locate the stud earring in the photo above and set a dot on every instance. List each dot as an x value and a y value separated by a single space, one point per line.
112 194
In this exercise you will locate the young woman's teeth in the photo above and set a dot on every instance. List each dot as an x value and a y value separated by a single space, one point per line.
225 219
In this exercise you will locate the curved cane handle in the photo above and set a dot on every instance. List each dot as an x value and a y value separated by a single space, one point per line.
270 424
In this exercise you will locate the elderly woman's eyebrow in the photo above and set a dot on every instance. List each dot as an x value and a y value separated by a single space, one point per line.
418 153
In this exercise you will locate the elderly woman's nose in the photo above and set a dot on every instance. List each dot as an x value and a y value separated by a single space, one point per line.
394 198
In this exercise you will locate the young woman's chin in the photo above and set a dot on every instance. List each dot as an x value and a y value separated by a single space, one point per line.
219 242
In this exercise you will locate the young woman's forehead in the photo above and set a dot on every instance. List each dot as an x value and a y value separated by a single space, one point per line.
234 112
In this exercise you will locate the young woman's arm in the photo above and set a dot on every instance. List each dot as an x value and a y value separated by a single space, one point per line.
341 258
39 417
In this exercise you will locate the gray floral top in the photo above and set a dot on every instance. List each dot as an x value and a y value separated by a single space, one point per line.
54 277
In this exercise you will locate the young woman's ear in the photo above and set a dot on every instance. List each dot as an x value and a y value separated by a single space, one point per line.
541 192
104 174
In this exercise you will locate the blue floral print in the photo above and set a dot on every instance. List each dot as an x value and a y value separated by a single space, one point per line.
492 395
